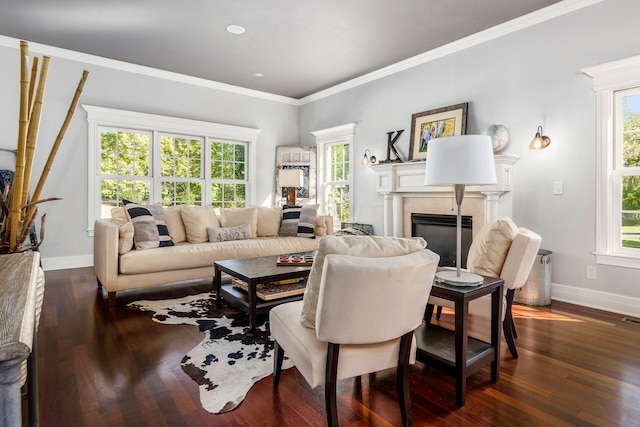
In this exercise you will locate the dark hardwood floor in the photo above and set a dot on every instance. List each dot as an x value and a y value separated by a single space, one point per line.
114 366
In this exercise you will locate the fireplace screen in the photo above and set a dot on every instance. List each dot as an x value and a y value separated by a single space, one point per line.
440 233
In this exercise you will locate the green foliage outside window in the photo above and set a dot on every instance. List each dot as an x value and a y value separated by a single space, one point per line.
125 166
631 184
337 189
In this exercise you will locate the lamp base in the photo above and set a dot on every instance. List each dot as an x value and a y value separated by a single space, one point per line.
291 196
451 277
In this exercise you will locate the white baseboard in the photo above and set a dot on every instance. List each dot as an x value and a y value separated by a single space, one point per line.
63 263
613 303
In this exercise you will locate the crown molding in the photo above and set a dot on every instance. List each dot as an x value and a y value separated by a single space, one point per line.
545 14
143 70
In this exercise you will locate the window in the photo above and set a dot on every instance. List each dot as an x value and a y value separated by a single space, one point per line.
335 151
617 87
157 159
626 171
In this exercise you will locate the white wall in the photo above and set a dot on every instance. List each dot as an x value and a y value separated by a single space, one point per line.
66 242
522 80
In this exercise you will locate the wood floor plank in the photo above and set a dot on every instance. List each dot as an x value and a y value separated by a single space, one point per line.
114 366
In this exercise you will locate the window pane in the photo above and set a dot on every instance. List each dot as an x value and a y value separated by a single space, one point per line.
180 157
338 202
631 230
631 130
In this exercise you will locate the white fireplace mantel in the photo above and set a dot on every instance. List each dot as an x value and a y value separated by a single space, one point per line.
395 181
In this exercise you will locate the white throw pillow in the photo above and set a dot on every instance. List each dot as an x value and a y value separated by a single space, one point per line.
268 221
362 246
239 216
196 220
490 247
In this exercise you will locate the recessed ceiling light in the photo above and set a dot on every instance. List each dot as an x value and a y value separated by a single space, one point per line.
258 74
235 29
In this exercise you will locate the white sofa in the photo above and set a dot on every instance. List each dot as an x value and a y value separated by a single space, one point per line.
118 266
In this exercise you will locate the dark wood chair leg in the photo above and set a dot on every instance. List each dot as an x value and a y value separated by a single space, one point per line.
404 398
331 380
508 325
428 313
278 353
439 312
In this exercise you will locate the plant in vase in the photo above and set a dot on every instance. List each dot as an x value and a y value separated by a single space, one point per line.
17 211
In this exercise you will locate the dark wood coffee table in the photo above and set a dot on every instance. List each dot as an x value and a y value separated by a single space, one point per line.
254 271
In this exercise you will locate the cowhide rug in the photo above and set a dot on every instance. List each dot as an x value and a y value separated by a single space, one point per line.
230 358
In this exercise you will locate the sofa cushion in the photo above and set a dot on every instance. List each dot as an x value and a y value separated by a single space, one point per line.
268 221
362 246
119 214
173 218
196 220
239 216
184 256
490 246
225 234
298 221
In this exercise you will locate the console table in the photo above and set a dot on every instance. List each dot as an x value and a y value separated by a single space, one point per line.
455 351
19 301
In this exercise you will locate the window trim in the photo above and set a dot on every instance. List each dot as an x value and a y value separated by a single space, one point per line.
608 79
109 117
324 137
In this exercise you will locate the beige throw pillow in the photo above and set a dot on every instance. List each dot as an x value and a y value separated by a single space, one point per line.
268 221
125 236
173 218
490 246
239 216
225 234
119 214
362 246
196 220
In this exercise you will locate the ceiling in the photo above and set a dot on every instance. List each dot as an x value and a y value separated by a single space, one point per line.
298 47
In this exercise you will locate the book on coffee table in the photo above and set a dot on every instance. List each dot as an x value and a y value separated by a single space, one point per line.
295 259
275 290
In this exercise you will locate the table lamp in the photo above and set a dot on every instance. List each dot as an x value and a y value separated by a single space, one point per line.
460 160
291 179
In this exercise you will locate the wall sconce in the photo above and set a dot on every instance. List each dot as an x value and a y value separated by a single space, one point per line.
291 179
368 159
539 141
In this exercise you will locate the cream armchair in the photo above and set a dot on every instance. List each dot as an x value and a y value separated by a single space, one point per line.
500 249
367 311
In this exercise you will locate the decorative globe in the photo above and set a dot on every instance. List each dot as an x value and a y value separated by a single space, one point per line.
499 136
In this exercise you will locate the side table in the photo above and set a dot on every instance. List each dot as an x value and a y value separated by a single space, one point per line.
455 351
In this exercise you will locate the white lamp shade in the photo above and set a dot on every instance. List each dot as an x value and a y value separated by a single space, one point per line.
462 159
291 178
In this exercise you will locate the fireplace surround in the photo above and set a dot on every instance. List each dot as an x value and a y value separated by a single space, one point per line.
402 187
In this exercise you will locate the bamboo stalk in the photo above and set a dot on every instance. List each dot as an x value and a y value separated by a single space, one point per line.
16 192
34 127
34 73
56 144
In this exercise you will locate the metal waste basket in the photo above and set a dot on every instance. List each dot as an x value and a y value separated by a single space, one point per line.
537 288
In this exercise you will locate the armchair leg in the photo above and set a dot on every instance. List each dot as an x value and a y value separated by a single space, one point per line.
403 379
331 375
278 353
508 325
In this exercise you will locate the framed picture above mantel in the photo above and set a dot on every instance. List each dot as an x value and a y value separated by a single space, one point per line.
427 125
